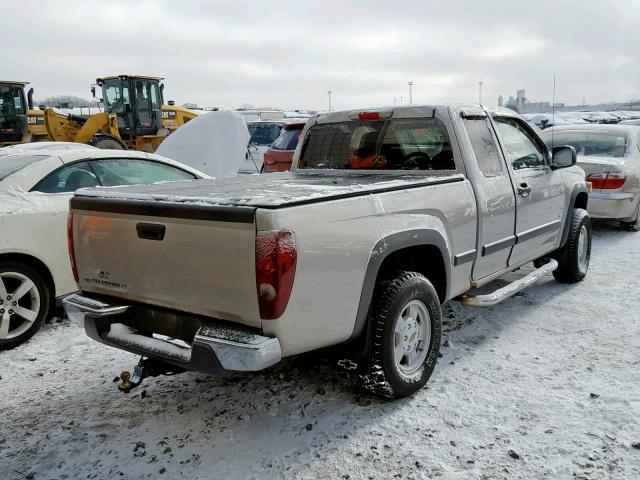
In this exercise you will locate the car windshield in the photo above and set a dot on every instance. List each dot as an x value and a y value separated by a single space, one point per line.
12 163
263 133
603 144
398 144
288 139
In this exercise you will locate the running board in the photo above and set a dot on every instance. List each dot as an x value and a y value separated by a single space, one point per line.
510 290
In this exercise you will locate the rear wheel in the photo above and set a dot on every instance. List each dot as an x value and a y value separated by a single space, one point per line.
24 303
405 340
573 258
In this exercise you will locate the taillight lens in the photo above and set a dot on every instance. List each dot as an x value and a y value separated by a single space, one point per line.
606 181
269 160
276 260
72 252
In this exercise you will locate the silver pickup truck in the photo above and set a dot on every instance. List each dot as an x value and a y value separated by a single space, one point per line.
387 214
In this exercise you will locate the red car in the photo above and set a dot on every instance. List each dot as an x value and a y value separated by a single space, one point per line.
280 154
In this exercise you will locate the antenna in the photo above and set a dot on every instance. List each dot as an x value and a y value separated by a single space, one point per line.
553 109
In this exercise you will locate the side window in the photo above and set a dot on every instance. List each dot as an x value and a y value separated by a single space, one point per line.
520 148
132 171
155 96
484 146
68 179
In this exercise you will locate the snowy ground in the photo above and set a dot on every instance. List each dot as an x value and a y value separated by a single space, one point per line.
552 375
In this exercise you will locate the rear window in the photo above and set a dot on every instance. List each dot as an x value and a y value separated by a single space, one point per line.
397 144
590 143
288 139
10 164
263 133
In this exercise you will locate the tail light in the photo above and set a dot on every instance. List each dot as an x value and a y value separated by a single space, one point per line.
269 164
276 260
72 252
607 181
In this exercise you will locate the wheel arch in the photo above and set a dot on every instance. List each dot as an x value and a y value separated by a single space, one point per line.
423 251
34 263
579 199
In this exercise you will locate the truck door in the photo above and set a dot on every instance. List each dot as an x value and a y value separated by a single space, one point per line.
495 198
540 196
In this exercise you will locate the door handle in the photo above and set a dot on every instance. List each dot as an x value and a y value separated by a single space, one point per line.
524 190
150 231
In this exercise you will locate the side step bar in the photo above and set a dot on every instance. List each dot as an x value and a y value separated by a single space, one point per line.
510 290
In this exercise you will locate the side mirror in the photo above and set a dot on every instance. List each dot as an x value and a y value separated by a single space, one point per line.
563 157
93 91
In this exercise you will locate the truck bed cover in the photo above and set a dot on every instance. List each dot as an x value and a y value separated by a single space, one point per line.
274 190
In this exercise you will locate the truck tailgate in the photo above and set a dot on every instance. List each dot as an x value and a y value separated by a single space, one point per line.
198 259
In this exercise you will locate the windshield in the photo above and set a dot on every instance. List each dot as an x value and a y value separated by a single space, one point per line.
12 163
402 144
11 100
603 144
263 133
288 140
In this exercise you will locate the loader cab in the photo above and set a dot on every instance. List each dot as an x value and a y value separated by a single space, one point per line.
136 100
13 112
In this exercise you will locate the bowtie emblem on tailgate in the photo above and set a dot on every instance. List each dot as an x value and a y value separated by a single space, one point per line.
151 231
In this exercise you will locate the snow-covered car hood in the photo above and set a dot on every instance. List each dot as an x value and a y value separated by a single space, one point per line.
214 143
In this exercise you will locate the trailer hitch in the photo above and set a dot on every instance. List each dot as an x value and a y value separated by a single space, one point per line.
146 367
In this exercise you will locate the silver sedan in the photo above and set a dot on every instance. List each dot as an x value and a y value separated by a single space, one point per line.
610 157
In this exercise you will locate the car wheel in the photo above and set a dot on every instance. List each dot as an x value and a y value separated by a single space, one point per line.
405 336
573 258
24 303
634 225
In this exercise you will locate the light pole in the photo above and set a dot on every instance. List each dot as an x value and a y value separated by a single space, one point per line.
401 97
329 93
480 92
410 93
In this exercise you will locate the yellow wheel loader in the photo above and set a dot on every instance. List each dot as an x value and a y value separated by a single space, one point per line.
134 116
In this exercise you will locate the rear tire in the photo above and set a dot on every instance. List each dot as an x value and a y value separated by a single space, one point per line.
26 299
405 336
573 258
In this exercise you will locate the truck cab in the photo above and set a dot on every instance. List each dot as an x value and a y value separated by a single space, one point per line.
13 112
136 100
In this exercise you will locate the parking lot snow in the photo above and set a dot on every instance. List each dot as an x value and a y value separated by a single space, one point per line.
544 385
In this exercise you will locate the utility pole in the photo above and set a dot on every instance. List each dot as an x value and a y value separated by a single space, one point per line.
329 93
480 92
401 97
394 100
410 93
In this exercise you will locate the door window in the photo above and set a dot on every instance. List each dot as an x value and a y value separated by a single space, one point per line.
520 148
68 179
132 171
484 146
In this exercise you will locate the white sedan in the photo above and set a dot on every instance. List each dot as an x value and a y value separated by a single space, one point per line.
35 188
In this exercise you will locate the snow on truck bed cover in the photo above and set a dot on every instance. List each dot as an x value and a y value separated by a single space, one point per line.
268 191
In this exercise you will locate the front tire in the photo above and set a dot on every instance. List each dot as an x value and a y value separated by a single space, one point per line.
573 258
405 336
106 142
24 303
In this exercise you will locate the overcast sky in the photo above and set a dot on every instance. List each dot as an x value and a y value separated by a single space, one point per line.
289 53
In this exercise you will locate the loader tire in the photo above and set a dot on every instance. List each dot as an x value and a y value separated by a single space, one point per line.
573 258
107 143
405 336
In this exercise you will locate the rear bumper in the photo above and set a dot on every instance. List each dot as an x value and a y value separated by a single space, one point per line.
612 205
215 348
